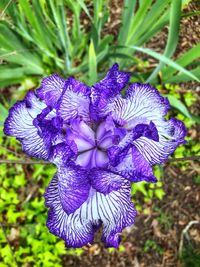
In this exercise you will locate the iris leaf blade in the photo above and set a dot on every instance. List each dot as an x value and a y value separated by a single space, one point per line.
172 41
164 59
92 64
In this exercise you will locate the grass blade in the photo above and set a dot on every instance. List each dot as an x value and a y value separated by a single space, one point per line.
137 20
182 77
176 103
187 58
127 17
164 59
92 64
172 40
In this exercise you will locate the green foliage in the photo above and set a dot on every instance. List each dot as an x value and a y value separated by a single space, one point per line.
190 256
164 219
197 179
22 208
151 245
41 37
149 191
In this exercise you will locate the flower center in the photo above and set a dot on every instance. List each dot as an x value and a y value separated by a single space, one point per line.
92 145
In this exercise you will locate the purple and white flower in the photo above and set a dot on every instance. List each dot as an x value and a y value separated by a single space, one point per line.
100 142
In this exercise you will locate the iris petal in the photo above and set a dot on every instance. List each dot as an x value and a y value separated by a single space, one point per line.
51 89
158 152
107 89
141 104
20 124
73 187
114 211
134 167
74 101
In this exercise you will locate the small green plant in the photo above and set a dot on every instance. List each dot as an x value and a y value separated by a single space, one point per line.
190 256
197 179
164 219
152 245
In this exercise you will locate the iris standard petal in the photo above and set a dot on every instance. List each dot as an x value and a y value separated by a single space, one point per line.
75 101
141 104
114 211
81 134
20 124
107 89
51 89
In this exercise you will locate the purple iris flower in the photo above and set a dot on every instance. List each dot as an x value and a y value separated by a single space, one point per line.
100 142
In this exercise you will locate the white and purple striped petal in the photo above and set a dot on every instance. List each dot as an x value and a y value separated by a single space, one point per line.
75 101
51 89
20 124
169 139
134 167
73 186
114 211
107 89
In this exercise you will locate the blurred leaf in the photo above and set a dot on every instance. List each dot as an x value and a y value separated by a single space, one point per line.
176 103
163 59
84 7
92 64
184 60
172 41
127 17
138 18
3 114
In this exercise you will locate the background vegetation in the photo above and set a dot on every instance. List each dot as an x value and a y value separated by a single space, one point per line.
84 38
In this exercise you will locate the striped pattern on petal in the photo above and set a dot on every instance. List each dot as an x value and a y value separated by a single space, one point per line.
114 211
20 124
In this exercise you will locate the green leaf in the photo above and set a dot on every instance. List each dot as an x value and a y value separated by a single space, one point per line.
127 17
3 114
152 18
176 103
182 77
184 60
163 59
172 40
84 7
92 64
59 17
137 19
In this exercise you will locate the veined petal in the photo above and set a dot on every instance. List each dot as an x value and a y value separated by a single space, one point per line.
73 186
107 89
104 181
74 101
117 153
51 89
114 211
158 152
141 104
62 153
50 130
20 124
134 167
